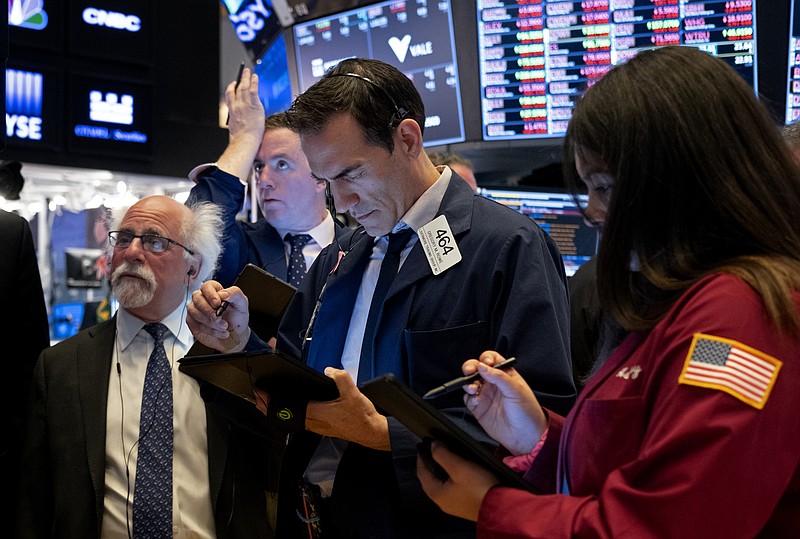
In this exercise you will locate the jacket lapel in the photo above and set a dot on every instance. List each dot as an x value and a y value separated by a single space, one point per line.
457 207
93 354
333 319
270 247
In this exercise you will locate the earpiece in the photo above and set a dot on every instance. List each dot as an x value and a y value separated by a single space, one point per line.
191 271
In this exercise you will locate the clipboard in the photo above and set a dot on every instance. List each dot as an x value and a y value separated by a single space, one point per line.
396 399
271 370
268 298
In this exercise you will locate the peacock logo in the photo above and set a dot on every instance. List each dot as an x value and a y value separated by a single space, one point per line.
27 14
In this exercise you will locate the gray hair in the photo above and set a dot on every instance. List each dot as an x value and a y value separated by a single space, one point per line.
200 230
202 233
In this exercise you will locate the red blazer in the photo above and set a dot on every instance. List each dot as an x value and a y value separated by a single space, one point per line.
644 454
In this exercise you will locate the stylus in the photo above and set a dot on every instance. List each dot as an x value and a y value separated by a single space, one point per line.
453 385
238 80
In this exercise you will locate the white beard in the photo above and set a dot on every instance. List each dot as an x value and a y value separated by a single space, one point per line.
133 293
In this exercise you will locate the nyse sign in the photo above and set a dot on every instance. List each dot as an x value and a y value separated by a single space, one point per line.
24 98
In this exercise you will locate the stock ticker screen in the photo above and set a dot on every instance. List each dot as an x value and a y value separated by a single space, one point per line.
793 89
537 57
559 216
415 36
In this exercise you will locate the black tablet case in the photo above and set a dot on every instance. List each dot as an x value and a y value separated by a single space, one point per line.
268 298
238 373
395 399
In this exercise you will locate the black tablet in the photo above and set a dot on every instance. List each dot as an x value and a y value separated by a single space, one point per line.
240 372
396 399
267 296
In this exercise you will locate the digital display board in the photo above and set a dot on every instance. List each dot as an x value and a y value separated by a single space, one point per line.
536 57
274 85
558 215
110 116
256 24
115 29
33 112
415 36
793 77
36 23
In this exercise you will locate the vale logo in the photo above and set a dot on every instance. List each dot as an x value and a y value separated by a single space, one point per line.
402 46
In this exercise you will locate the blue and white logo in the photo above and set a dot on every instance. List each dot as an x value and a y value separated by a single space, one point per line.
112 19
110 107
24 96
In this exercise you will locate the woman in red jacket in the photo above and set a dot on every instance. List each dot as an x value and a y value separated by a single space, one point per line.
690 428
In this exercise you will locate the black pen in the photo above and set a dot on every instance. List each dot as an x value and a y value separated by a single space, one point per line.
238 80
222 307
452 385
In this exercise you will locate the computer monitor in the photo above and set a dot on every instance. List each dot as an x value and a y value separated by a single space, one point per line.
256 24
558 214
793 76
82 267
66 320
537 58
415 37
275 87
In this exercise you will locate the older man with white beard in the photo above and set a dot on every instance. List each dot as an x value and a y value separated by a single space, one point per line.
119 442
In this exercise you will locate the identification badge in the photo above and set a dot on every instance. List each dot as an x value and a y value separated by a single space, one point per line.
439 245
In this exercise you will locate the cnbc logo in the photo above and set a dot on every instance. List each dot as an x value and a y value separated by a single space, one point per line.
24 97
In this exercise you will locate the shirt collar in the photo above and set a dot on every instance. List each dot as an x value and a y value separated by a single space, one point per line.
323 233
427 205
128 326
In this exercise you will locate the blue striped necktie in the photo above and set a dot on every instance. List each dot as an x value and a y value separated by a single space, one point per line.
152 496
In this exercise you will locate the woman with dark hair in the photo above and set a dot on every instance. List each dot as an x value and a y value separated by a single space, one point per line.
690 427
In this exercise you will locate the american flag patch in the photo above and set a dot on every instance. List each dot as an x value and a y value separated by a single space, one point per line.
732 367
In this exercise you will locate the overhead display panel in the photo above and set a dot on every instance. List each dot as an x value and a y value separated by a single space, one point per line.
110 116
415 36
120 30
274 87
256 23
37 24
33 111
537 56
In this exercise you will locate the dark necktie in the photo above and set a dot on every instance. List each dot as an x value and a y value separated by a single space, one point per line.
152 496
389 267
297 262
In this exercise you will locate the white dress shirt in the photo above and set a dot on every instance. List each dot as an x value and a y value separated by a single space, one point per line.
321 236
192 514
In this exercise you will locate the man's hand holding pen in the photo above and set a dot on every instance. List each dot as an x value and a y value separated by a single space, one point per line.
227 332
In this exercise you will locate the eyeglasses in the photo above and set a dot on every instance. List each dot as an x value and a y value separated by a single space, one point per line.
153 243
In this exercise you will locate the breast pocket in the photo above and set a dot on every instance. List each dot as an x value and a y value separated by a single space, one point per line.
436 356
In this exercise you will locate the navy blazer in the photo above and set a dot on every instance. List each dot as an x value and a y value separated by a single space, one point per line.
508 293
63 471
